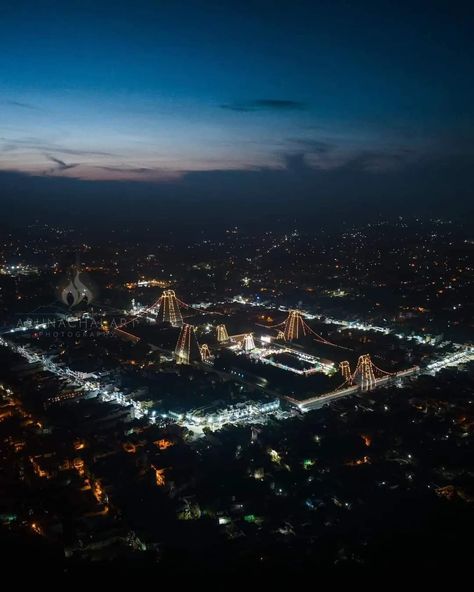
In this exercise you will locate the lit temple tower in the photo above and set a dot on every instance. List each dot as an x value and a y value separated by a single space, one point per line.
187 347
222 334
169 311
205 352
365 370
345 369
249 343
294 326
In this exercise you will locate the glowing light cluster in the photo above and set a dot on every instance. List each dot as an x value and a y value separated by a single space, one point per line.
222 334
169 311
187 342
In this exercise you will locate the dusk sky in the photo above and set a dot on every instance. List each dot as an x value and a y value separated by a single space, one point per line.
217 95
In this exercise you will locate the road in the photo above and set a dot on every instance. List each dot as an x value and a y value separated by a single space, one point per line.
319 401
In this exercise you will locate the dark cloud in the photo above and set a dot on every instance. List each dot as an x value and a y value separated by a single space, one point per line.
265 105
124 169
296 163
61 165
339 155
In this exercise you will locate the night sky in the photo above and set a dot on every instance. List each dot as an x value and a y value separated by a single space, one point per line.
303 104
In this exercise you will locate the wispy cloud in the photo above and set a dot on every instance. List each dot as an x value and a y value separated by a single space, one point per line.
265 105
313 146
12 145
373 156
125 169
60 165
20 105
